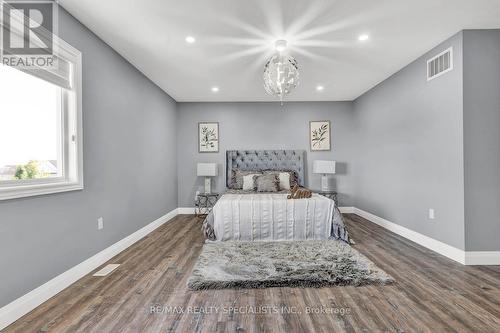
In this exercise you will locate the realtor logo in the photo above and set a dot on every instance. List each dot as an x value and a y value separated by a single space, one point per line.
27 33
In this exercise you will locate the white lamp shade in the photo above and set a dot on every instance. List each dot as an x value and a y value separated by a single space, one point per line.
207 169
324 167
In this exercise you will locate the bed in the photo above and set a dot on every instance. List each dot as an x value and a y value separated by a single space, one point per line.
241 215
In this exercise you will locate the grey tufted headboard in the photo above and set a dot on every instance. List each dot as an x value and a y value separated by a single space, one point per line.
265 160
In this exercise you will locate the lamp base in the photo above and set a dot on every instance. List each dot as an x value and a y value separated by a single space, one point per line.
207 185
324 183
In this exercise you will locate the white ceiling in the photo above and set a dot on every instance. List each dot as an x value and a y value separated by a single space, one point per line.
235 37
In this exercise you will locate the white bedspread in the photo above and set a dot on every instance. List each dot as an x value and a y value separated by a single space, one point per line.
264 217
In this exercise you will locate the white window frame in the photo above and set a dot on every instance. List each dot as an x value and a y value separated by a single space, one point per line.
71 178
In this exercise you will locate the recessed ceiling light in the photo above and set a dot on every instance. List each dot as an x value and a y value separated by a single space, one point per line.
215 89
190 39
363 37
320 88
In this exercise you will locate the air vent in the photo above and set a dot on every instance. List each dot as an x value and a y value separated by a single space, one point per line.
440 64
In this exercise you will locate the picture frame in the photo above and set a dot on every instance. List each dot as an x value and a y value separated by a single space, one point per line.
320 135
208 137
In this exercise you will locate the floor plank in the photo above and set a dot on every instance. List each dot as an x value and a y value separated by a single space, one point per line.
148 293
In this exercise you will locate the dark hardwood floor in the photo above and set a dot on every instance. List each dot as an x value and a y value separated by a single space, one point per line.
147 293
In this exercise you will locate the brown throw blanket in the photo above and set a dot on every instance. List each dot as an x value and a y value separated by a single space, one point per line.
299 193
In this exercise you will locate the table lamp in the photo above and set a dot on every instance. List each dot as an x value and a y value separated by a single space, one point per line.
325 168
207 170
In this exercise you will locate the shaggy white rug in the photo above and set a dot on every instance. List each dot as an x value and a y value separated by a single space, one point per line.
224 265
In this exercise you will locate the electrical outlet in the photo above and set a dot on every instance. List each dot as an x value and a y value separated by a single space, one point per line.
100 223
431 214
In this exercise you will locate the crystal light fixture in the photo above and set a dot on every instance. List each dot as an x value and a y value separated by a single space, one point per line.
281 72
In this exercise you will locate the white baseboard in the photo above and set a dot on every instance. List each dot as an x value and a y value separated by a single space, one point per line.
426 241
461 256
185 210
346 210
19 307
482 258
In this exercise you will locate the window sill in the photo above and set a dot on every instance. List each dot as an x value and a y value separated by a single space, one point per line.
22 191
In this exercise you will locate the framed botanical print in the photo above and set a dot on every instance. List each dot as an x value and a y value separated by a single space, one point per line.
208 137
319 135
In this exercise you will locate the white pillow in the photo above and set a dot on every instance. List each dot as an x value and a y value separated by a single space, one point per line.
249 182
284 180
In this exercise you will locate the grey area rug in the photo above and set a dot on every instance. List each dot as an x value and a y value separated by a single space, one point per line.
238 265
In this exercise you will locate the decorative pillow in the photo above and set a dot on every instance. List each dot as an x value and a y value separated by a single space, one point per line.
249 183
294 178
268 183
286 182
237 181
284 178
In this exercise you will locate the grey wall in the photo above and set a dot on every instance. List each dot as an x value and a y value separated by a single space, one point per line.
482 139
264 126
129 173
409 149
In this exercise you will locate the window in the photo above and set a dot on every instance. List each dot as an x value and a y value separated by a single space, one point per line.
40 128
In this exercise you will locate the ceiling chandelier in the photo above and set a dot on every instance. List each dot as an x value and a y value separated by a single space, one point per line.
281 72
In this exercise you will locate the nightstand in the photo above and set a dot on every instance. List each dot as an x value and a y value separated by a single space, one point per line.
204 203
330 195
